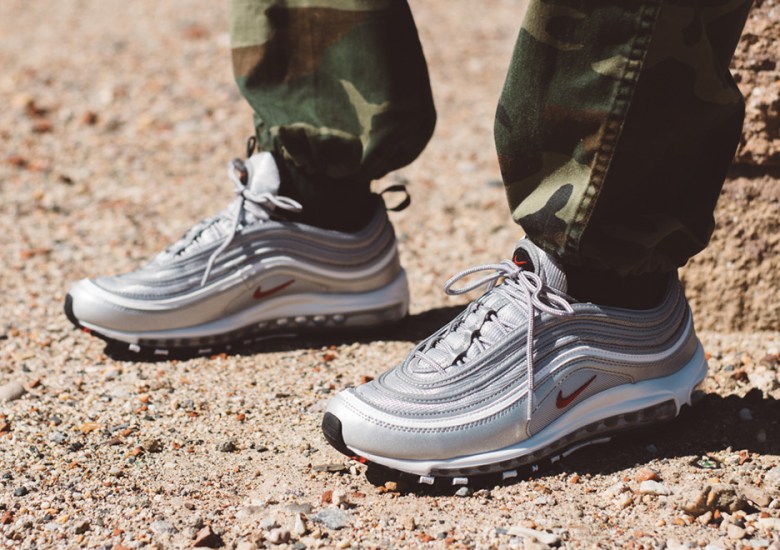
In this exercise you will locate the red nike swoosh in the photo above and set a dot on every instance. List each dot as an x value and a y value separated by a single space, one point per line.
260 293
562 402
519 263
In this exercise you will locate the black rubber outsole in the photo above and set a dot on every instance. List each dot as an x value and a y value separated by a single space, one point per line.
517 468
236 342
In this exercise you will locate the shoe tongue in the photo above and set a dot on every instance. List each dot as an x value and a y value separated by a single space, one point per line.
262 173
532 258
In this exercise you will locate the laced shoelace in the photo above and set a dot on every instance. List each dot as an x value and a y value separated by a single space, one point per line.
259 205
527 287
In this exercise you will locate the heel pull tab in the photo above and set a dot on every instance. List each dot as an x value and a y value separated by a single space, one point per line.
397 188
251 146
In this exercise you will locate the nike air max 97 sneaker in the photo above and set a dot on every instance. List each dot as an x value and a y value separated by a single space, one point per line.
524 373
247 274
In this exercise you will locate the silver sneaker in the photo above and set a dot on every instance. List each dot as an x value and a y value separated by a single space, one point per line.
248 274
524 373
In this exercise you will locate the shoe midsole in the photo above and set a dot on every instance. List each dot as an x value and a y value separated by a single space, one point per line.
379 306
623 399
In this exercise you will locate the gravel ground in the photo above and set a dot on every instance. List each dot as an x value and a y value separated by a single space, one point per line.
114 138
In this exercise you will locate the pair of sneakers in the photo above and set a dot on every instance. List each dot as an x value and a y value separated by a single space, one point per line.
524 374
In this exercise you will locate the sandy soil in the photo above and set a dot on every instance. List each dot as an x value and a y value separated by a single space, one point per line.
117 120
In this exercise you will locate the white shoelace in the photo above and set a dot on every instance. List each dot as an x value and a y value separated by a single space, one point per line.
526 287
257 204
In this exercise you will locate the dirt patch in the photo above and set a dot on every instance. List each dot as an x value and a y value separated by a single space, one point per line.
734 283
756 70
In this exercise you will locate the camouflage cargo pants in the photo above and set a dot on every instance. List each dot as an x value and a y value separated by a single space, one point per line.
616 126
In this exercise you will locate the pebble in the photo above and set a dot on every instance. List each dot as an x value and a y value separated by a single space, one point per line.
544 537
646 474
773 476
246 545
269 523
769 523
226 447
299 526
409 523
152 446
332 518
463 492
81 527
278 536
58 437
21 491
206 538
624 500
735 532
756 496
616 489
650 487
339 497
162 527
12 391
710 498
745 415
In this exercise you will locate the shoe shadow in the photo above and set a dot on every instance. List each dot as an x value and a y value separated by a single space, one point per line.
412 328
704 431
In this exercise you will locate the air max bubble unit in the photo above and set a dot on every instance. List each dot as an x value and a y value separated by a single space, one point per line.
523 374
248 274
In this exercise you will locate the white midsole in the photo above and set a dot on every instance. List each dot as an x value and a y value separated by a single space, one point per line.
622 399
393 295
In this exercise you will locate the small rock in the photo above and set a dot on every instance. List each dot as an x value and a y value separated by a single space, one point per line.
278 536
332 518
8 518
745 415
650 487
772 476
333 467
246 545
269 523
540 536
206 538
756 496
21 491
772 524
735 532
463 492
672 544
227 447
12 391
646 474
615 489
299 527
339 497
705 518
152 446
624 500
162 527
711 498
58 437
409 523
81 527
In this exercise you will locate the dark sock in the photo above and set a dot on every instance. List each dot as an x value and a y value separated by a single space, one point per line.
327 203
607 288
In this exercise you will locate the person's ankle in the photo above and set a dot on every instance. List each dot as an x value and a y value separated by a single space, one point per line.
608 288
328 203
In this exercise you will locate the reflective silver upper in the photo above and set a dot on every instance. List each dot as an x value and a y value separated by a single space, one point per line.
247 251
465 389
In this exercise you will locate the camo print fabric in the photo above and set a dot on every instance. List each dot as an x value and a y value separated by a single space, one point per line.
616 125
339 87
